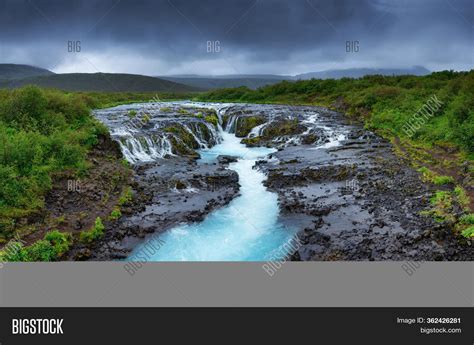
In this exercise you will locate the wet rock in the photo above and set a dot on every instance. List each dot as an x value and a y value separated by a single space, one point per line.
225 159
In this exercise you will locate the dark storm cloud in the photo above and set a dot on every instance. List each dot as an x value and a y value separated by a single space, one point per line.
268 36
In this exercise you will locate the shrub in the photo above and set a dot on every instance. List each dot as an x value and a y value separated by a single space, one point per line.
115 214
93 234
126 196
467 219
469 232
442 202
442 180
42 132
461 195
41 250
60 241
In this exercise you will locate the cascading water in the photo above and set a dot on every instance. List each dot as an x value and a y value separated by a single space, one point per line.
145 141
247 229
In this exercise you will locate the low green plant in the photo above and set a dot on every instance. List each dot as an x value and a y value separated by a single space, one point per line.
212 119
469 232
432 177
132 114
461 196
442 180
442 202
93 234
125 163
126 196
146 118
61 241
467 219
115 214
41 250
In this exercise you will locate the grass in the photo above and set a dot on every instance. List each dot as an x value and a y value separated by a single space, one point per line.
462 197
469 232
442 203
442 180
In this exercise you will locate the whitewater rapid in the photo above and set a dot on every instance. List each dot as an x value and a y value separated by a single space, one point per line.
245 230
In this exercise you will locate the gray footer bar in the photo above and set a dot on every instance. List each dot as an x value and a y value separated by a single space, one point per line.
294 284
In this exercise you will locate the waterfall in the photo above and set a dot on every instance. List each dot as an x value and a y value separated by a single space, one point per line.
257 131
151 140
145 148
196 133
231 126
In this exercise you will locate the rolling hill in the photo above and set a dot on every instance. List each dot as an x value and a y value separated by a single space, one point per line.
254 81
106 82
13 76
360 72
14 71
218 82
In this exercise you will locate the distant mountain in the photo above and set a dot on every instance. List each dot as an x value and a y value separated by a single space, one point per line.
12 76
217 82
108 82
13 71
254 81
360 72
227 76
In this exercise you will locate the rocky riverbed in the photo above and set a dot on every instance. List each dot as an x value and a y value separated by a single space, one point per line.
342 188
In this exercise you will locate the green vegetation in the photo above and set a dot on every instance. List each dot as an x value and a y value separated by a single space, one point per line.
246 123
180 132
97 100
209 115
468 219
41 133
442 207
446 206
126 196
283 127
273 130
115 214
59 240
124 199
466 225
52 247
469 232
442 180
182 111
253 142
212 119
93 234
132 114
462 197
101 82
385 104
432 177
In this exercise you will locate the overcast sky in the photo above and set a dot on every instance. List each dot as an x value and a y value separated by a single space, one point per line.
255 36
